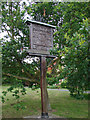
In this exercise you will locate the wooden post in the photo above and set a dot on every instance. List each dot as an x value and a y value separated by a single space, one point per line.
44 113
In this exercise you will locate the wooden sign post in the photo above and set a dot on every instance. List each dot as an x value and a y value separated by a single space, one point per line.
41 41
43 87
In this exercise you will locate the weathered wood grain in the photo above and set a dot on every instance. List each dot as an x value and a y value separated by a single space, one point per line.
41 38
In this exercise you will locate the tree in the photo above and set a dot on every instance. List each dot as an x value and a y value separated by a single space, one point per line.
14 50
69 18
14 45
72 39
76 61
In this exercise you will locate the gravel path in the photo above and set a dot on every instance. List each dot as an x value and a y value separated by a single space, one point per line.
59 89
67 90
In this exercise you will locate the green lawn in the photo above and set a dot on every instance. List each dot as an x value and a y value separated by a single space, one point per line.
61 103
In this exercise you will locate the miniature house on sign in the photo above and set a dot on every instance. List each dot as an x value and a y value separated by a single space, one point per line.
41 37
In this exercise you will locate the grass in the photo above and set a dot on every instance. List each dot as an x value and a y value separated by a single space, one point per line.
67 106
61 103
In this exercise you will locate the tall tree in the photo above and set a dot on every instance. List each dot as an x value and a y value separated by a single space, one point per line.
69 18
72 40
15 44
15 70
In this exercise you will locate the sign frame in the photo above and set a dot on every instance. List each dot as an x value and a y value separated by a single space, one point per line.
44 43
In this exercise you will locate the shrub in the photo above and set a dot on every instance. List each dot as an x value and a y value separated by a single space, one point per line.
64 84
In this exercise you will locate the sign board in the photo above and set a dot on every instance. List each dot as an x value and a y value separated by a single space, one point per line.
41 37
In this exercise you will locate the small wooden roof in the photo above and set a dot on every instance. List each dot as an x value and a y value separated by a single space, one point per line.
40 23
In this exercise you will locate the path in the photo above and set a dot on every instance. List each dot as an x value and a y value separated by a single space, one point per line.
58 89
66 90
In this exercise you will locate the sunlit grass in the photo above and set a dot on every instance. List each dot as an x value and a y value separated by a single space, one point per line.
61 103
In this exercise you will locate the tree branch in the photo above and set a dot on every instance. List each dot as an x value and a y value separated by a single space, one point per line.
18 77
7 31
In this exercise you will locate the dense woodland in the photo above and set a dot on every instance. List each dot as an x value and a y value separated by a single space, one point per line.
71 43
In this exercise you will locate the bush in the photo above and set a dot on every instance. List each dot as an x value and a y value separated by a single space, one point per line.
54 86
52 80
84 96
64 84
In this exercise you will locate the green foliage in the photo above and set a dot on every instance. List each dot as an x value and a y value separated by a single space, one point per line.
19 106
54 86
3 100
16 90
87 96
71 40
51 80
76 60
64 84
35 86
50 12
15 43
70 43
